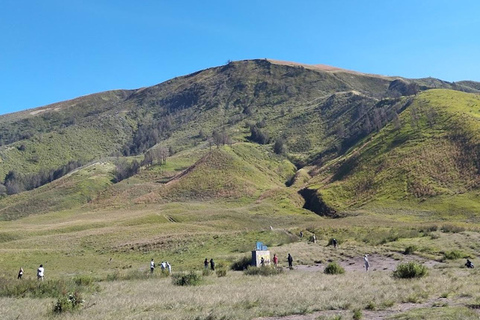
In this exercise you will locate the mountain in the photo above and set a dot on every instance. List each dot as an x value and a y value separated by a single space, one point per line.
264 132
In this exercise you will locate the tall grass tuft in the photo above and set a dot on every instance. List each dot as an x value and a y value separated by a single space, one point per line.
454 255
44 289
262 271
410 270
450 228
189 279
410 250
334 268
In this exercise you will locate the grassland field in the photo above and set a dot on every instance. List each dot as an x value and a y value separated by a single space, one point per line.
118 244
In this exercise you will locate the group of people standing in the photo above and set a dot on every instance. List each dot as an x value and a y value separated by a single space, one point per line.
40 273
165 266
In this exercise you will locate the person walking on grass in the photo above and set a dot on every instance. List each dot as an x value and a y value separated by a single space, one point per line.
169 268
275 260
334 242
40 272
212 265
20 273
367 264
205 263
152 266
290 261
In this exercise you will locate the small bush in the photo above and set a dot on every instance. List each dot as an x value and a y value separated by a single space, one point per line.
410 250
189 279
449 228
371 306
410 270
68 303
262 271
334 268
221 272
453 255
357 314
242 263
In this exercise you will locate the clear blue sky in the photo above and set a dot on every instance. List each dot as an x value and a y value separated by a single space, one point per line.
54 50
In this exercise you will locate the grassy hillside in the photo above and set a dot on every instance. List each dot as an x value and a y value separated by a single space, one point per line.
425 160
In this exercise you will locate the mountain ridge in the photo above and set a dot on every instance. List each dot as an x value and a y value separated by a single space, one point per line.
312 115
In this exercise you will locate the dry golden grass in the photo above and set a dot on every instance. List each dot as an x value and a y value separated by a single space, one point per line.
238 296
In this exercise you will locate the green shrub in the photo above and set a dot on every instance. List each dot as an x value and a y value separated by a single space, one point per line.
410 250
242 263
189 279
357 314
334 268
410 270
262 271
221 272
453 255
68 303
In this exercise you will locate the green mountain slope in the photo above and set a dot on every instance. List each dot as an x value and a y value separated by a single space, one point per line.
316 114
425 160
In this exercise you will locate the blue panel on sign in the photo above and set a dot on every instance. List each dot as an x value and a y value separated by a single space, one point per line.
259 245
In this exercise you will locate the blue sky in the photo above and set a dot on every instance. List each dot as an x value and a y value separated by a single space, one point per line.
54 50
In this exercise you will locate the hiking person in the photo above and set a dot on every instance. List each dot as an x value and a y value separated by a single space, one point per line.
40 272
212 265
469 264
367 264
152 266
301 234
334 242
163 265
169 268
314 238
20 273
290 261
275 260
205 263
262 262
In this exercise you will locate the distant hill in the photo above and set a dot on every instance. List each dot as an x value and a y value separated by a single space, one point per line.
242 130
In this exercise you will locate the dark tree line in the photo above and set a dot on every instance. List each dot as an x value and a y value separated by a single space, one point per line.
16 182
125 169
148 135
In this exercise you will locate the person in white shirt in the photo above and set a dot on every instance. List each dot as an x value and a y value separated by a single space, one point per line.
152 266
40 272
169 267
367 264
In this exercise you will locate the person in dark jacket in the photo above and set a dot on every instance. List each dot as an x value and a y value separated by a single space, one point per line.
212 265
290 261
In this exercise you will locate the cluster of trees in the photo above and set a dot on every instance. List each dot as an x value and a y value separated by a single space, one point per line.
125 169
148 135
156 155
16 182
258 135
